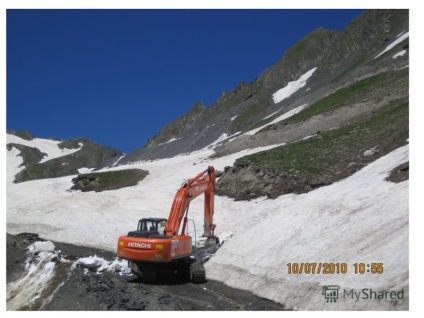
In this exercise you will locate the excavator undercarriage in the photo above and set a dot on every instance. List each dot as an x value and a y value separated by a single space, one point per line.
189 268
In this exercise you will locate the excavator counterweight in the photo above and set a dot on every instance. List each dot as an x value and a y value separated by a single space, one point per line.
160 242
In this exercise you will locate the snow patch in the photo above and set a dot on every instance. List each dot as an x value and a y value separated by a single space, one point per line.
14 164
370 151
292 87
85 170
276 120
41 247
119 159
232 118
392 45
400 34
221 139
39 272
225 236
100 265
272 114
307 137
169 141
401 53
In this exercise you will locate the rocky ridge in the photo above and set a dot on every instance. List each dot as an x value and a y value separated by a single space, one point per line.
91 155
341 58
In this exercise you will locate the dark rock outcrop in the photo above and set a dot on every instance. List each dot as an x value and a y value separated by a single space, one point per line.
109 180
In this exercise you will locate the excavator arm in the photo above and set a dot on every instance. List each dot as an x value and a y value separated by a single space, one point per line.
204 182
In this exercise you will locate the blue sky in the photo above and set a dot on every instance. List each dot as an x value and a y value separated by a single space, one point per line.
118 76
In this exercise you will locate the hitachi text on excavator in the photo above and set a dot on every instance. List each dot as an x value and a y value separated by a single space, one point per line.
159 243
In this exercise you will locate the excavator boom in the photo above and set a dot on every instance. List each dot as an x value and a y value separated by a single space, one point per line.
204 182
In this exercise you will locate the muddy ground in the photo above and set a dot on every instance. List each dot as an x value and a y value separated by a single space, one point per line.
84 290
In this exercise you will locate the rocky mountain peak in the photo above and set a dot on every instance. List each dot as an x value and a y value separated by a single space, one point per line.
174 129
330 58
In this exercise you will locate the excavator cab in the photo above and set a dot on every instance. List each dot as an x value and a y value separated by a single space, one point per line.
150 227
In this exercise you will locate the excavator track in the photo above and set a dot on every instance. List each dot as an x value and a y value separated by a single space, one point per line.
197 273
149 274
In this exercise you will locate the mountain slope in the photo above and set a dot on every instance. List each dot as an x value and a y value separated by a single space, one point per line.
335 59
323 149
361 219
50 159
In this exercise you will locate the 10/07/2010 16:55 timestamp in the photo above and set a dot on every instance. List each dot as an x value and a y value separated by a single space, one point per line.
334 268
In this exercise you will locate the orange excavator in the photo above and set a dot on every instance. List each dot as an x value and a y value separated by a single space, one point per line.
159 243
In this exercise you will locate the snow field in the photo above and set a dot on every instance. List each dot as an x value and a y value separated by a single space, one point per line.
360 219
49 147
292 87
98 219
